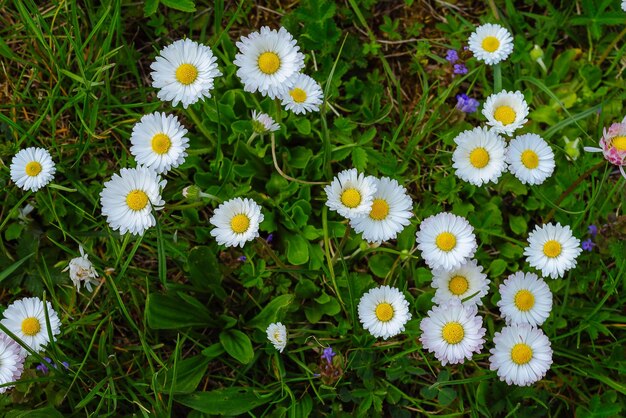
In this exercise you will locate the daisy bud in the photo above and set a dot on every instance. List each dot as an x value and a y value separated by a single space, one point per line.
192 192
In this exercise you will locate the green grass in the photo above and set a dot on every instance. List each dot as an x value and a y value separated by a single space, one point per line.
177 327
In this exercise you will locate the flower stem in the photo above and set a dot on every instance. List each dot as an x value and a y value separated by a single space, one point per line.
497 78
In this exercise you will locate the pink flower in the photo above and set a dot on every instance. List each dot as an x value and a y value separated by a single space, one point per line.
613 145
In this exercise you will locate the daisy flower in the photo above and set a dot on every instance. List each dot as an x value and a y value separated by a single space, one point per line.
262 123
479 156
613 145
81 270
266 59
521 356
624 5
27 320
506 111
351 194
384 311
302 94
530 159
552 249
446 241
11 361
525 299
184 72
453 332
466 281
32 168
390 213
129 197
491 43
236 221
159 142
277 334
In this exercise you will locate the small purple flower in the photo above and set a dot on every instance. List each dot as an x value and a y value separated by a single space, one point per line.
466 104
588 245
460 69
328 355
593 230
452 56
269 238
242 258
42 367
65 364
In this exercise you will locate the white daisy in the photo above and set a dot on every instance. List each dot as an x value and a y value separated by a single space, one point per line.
446 241
262 123
32 168
624 5
390 213
81 270
491 43
521 356
525 299
552 249
129 198
466 281
277 334
384 311
184 72
266 59
506 111
159 142
302 94
27 320
236 222
613 145
530 159
11 361
453 332
351 194
479 156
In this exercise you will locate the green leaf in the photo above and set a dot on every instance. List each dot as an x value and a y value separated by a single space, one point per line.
303 126
380 264
182 5
271 311
7 271
227 401
204 270
518 224
359 158
497 267
171 311
297 250
238 345
150 7
47 412
189 373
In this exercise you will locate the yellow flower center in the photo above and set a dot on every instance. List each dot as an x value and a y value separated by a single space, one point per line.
453 332
491 44
445 241
298 95
277 337
380 209
161 143
268 62
384 312
521 353
552 248
505 114
33 168
619 142
186 74
31 326
351 198
458 285
479 157
530 159
137 199
524 300
240 223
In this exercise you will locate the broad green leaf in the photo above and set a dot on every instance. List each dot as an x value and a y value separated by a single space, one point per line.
271 311
189 373
182 5
238 345
227 401
204 270
380 264
170 311
150 7
297 250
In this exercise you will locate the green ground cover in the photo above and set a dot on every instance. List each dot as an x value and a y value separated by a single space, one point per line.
176 326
